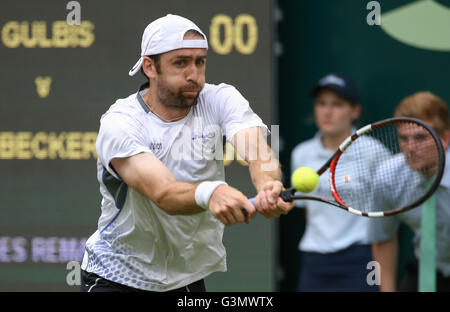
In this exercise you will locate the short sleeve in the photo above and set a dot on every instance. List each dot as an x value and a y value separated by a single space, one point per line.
119 136
234 112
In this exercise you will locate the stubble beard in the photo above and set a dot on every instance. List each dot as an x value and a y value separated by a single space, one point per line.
174 98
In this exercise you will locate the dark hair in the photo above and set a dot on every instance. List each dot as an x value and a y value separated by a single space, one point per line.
193 33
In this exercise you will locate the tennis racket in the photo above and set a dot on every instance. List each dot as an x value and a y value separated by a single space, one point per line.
383 169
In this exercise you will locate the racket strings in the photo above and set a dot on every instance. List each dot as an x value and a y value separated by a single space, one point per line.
389 168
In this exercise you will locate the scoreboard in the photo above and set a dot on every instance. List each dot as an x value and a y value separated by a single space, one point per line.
62 65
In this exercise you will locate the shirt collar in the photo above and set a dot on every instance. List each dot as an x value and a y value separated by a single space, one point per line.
139 96
322 151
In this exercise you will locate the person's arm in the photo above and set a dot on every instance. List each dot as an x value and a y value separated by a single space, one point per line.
386 254
264 170
149 176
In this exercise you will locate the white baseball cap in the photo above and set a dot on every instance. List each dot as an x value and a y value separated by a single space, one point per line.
166 34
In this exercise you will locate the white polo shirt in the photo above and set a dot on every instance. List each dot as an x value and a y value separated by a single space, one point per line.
137 244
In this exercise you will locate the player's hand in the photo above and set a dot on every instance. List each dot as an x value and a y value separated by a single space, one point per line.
226 204
268 201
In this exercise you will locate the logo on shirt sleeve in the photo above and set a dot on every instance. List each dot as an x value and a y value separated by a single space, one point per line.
155 146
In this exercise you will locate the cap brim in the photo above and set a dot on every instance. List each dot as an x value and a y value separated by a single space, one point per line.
136 67
316 90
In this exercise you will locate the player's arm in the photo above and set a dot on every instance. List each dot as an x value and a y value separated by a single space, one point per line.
264 170
386 253
149 176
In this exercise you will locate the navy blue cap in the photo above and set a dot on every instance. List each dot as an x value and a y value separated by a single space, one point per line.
342 85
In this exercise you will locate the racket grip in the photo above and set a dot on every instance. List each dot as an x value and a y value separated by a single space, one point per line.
245 215
252 200
286 195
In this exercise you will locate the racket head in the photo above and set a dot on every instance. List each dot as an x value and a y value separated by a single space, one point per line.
387 167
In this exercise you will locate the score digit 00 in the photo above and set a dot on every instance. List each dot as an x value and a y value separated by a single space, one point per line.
233 34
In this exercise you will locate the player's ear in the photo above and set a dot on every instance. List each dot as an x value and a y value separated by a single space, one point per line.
356 111
149 68
445 138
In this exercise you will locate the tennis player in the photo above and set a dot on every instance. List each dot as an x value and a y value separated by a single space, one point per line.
433 111
161 172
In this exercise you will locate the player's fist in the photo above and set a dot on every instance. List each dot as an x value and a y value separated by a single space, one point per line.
226 204
268 201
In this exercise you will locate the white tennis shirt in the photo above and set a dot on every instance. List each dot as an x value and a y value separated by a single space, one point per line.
137 244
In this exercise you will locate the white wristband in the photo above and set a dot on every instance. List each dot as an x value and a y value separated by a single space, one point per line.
204 191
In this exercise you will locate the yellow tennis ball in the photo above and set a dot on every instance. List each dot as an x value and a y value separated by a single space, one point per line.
305 179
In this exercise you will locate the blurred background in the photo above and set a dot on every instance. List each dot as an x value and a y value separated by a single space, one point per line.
63 63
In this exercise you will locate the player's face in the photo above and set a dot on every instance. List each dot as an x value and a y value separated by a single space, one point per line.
182 77
334 115
418 147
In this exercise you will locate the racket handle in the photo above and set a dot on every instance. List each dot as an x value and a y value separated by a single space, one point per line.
252 200
245 215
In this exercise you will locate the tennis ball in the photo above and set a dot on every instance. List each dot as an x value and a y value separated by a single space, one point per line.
305 179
